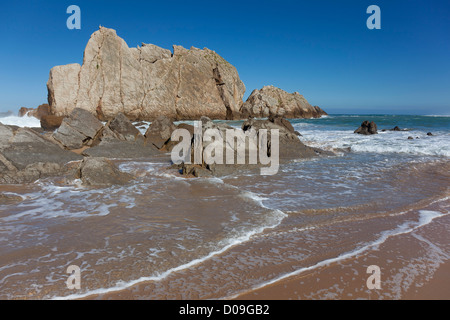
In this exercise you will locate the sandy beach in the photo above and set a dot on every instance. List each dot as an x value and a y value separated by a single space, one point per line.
405 272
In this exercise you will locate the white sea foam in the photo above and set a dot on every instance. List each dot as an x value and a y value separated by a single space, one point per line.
226 245
30 122
425 218
384 142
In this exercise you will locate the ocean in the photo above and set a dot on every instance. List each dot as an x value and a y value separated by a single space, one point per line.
167 237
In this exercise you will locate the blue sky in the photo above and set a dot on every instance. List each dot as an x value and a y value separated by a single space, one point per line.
320 48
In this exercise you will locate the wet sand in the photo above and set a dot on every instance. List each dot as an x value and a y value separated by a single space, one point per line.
407 272
152 236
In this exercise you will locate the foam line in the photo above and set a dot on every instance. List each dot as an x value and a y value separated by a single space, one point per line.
425 218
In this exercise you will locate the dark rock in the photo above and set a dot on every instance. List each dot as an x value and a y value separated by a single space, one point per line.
410 138
160 131
290 145
25 147
429 134
51 122
124 129
367 128
282 122
26 156
78 130
42 110
396 129
101 172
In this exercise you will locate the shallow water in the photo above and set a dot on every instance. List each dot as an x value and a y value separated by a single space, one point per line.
164 236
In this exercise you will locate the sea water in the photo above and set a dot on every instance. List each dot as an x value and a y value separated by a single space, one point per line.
215 238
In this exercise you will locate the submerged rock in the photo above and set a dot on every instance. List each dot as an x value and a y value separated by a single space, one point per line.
6 199
101 172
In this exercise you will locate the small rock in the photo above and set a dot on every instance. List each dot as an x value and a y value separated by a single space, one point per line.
160 131
410 138
123 128
429 134
101 172
51 122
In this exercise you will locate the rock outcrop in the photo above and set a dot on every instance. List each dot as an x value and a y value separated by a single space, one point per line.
146 82
290 147
83 133
160 131
78 130
367 128
26 156
274 101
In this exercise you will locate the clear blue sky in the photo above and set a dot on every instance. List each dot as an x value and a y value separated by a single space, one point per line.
320 48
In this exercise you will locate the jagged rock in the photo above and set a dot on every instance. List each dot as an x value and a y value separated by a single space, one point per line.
290 147
124 129
160 131
274 101
51 122
78 130
101 172
145 82
24 147
367 128
26 156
